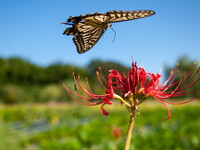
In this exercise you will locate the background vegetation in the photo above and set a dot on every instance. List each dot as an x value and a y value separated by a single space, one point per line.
22 81
74 127
36 113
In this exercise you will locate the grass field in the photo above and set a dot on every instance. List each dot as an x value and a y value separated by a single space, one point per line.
70 126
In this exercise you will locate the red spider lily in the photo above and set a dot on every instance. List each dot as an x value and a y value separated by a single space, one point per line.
132 89
116 132
87 100
179 88
139 85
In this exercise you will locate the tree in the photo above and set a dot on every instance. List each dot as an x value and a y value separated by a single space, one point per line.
106 66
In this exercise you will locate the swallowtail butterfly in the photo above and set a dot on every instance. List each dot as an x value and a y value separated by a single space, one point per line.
88 29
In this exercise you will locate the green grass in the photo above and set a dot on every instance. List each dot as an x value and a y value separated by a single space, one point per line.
71 126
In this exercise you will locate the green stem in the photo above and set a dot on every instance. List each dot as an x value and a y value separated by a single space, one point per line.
115 145
121 99
129 133
132 112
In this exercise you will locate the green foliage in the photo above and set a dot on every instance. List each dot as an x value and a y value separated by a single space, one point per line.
106 66
20 72
11 94
22 81
70 126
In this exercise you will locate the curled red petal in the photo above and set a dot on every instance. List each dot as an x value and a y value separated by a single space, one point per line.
103 111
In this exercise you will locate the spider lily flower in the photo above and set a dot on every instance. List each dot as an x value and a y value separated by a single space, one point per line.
171 88
136 86
116 132
90 96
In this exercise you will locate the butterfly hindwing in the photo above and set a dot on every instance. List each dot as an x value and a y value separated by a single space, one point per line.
87 38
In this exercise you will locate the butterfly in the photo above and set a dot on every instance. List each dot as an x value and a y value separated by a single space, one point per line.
88 29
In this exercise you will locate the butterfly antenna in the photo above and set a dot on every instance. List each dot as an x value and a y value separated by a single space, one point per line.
66 23
115 34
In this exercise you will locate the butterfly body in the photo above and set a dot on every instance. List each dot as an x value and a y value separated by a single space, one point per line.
88 29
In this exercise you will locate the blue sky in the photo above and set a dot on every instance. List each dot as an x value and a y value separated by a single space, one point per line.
32 30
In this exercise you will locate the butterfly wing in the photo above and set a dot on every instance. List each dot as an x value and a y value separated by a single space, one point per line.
102 17
117 16
88 37
114 16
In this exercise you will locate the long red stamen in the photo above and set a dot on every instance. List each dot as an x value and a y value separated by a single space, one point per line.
99 79
88 85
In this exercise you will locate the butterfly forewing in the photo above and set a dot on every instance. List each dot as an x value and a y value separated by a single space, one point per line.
117 16
96 17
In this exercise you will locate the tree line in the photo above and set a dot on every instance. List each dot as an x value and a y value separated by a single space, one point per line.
23 81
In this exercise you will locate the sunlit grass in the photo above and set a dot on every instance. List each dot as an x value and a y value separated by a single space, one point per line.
61 125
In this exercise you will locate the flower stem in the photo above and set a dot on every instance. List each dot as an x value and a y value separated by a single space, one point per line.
115 145
130 131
